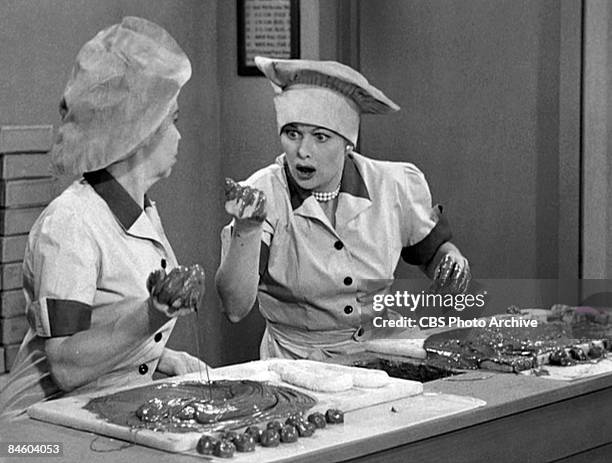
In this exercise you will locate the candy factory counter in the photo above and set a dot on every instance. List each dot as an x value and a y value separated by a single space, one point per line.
526 418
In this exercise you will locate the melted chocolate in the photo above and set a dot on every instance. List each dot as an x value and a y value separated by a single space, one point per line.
187 407
510 348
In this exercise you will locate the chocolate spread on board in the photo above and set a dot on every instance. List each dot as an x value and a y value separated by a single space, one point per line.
186 406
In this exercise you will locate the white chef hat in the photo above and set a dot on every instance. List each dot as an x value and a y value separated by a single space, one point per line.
322 93
123 85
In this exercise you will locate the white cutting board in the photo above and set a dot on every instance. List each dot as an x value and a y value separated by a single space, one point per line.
69 411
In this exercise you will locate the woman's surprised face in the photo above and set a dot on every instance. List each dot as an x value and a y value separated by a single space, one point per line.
315 156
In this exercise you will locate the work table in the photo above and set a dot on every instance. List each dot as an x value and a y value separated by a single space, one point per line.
526 418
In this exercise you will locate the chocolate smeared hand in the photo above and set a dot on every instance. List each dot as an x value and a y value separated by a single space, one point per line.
232 189
244 202
451 275
182 287
179 407
155 278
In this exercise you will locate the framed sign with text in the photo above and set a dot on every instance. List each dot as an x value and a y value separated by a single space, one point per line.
268 28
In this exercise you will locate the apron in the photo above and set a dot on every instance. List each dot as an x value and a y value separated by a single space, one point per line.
282 341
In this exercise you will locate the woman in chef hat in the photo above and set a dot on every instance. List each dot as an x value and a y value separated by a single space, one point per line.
93 321
313 232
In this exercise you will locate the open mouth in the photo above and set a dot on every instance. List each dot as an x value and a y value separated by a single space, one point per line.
306 170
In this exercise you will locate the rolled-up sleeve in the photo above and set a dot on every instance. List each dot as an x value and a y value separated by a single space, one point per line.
427 228
63 260
267 232
266 239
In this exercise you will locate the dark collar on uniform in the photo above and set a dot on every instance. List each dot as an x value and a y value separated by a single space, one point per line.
118 199
351 183
297 194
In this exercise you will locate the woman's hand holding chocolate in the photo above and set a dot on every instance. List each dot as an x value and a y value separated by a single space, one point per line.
244 203
178 292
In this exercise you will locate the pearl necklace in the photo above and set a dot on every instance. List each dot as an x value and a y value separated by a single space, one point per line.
324 196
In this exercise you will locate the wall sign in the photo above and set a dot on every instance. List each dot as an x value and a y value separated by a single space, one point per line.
268 28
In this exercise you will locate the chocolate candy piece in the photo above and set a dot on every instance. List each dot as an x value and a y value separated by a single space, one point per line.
560 357
334 416
229 436
305 429
294 419
318 419
270 438
245 443
596 351
206 444
255 432
186 413
203 416
224 449
276 425
152 410
288 434
576 353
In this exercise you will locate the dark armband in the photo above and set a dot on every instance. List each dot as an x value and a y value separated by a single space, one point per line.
264 255
423 251
59 317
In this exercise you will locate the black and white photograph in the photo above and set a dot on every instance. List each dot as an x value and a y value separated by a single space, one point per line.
306 231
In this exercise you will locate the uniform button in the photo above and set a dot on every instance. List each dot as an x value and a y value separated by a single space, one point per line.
348 310
348 281
338 245
158 337
142 369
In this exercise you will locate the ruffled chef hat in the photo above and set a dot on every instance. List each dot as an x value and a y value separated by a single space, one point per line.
322 93
123 85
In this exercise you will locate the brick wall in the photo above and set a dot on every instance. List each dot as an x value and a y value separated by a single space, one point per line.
26 187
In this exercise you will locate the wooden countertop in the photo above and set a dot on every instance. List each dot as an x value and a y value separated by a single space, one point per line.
526 418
